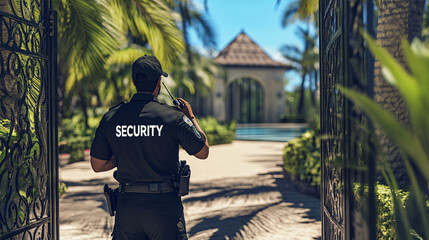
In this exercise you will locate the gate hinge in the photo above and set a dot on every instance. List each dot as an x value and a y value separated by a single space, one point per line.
52 23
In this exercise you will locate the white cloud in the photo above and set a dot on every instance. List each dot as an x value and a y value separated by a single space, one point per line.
205 52
276 55
198 6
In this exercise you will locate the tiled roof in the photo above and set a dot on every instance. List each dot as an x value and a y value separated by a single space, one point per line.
244 52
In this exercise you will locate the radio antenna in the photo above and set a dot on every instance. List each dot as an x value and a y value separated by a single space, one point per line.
175 101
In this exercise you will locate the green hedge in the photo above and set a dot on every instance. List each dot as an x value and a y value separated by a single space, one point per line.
74 138
75 147
301 158
292 118
217 133
386 219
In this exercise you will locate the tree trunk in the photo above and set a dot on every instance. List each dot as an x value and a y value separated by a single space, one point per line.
61 96
398 19
301 95
313 89
84 107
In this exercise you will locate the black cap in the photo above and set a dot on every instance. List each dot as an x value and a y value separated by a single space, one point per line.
148 65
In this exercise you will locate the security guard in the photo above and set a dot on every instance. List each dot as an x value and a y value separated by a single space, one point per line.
141 138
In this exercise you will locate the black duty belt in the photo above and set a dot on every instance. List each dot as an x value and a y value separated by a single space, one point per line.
147 187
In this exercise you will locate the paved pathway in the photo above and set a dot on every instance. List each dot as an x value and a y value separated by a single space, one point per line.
239 192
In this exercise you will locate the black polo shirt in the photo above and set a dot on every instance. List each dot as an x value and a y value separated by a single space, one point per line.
144 136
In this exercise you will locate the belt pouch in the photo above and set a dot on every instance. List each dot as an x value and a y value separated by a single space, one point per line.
184 184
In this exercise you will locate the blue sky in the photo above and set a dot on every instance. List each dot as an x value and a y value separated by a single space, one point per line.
259 19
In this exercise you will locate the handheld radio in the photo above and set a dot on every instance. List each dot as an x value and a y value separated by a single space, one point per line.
175 101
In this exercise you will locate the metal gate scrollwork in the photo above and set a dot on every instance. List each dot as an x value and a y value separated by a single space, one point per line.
332 121
347 187
28 149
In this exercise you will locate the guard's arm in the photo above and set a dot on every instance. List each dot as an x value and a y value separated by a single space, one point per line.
102 158
204 152
187 110
100 165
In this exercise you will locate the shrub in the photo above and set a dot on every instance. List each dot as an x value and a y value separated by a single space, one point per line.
386 209
75 147
301 158
75 127
74 138
292 118
386 224
217 133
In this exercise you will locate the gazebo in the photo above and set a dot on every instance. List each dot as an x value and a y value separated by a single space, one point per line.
252 88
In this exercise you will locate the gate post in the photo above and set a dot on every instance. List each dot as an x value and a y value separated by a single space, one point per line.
53 121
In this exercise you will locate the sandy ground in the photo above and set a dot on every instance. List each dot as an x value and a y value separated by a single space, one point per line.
239 192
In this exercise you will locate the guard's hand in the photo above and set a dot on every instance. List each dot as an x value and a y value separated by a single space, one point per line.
187 110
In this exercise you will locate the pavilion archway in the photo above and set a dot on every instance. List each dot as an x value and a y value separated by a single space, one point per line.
245 100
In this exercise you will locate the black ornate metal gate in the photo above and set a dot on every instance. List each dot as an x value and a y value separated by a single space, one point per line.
348 203
28 127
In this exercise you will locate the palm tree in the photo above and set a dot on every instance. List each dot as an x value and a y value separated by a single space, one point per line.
86 37
306 62
198 71
397 19
188 73
195 83
90 31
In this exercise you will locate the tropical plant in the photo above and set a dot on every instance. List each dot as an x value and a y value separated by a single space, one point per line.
216 132
86 36
91 31
301 157
303 10
197 78
151 23
306 63
190 70
195 72
391 26
413 140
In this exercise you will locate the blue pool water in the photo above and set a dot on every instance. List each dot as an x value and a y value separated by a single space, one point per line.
268 134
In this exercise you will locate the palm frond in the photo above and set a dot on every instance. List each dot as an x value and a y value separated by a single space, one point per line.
86 37
154 21
303 10
204 29
289 14
291 50
127 56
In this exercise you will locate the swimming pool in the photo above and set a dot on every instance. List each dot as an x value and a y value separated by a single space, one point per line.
274 134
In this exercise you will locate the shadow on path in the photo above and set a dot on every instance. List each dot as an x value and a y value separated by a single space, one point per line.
246 207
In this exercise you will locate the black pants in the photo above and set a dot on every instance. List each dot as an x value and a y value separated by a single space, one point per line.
143 216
